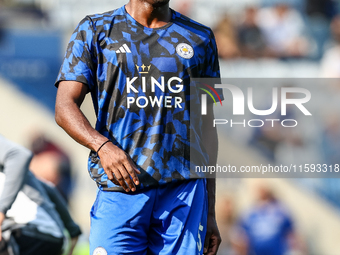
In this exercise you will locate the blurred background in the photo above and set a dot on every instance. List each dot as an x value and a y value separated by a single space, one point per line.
256 39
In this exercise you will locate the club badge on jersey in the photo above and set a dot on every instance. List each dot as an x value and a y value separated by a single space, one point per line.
99 251
185 50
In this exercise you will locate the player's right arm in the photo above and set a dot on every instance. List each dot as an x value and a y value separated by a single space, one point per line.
117 163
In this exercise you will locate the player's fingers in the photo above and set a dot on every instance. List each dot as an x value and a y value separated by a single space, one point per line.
132 172
134 166
114 180
207 242
129 161
212 250
213 245
127 178
121 180
109 175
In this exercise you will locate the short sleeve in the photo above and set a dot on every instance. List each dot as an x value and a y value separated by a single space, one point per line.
212 70
78 64
212 66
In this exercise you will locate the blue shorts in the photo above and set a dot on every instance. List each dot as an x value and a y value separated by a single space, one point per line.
170 219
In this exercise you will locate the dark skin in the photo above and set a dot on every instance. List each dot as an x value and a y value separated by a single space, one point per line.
150 13
117 164
212 238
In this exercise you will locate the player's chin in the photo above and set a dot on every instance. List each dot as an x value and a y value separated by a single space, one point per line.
159 3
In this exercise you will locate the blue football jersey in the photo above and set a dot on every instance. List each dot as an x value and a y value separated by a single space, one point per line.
139 79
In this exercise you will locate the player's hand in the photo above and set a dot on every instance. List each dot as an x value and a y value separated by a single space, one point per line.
212 238
119 167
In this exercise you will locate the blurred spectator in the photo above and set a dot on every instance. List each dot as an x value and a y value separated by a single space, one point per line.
270 136
226 39
23 14
251 39
1 30
233 242
331 140
184 7
266 139
32 213
269 227
283 29
324 8
330 149
52 164
330 64
335 29
2 24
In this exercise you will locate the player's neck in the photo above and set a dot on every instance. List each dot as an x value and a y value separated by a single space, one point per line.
149 15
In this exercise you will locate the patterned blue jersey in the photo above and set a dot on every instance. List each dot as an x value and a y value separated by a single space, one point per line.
139 80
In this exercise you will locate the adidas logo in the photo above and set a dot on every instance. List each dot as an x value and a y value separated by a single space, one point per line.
123 49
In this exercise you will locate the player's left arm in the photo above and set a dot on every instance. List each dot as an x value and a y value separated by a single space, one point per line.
212 238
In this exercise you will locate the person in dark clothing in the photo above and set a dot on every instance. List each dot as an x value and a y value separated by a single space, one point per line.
33 214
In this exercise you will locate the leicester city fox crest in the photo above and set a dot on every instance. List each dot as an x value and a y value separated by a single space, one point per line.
99 251
185 50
